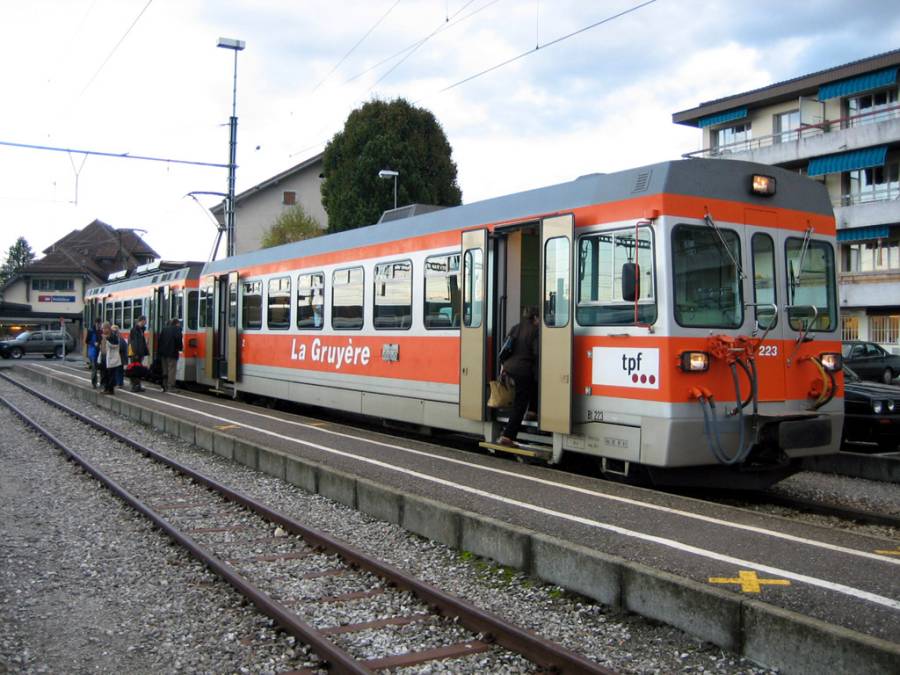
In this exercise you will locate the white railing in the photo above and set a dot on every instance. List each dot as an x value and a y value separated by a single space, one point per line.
796 135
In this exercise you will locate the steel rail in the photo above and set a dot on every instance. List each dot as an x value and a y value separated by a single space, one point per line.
538 650
339 660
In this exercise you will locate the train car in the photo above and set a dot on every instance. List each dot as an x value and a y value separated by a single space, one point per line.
689 321
159 291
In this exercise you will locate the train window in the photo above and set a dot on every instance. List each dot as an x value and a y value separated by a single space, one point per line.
126 314
278 304
810 275
707 277
557 281
348 293
764 280
392 308
311 301
192 310
442 291
473 302
601 260
117 313
232 305
108 313
206 307
176 307
138 308
251 305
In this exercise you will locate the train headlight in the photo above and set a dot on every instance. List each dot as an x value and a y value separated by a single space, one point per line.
890 405
831 361
877 407
762 185
694 362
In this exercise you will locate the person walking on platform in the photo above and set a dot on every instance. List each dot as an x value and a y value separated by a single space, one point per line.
92 340
521 366
112 355
170 344
137 349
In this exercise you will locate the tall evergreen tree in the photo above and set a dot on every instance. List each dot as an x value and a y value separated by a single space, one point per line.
17 257
386 135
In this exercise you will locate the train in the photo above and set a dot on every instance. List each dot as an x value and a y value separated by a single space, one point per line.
689 329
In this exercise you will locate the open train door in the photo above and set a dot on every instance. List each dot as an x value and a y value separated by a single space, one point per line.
473 329
557 238
207 298
232 331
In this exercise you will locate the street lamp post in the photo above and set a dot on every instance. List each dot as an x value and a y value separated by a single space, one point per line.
388 173
236 46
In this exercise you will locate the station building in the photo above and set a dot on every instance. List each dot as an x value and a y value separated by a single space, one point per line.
840 126
51 289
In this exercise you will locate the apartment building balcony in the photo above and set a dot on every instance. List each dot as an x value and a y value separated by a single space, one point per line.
869 289
879 127
883 209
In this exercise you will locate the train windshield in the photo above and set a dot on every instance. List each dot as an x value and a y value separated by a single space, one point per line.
810 274
707 278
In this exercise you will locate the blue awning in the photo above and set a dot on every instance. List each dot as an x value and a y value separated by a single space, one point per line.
719 118
854 85
864 233
847 161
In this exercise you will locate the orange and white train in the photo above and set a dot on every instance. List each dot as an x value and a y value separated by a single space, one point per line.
689 320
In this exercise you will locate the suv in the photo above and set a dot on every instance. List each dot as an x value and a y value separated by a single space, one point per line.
46 342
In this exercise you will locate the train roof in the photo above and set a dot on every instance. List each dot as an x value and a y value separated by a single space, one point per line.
713 178
151 278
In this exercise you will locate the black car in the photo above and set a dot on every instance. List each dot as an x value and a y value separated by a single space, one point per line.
871 412
870 361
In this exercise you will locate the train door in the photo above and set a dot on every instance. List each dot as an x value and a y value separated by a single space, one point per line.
766 320
207 322
226 322
555 381
473 329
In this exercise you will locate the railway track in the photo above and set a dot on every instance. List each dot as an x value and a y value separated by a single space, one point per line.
302 578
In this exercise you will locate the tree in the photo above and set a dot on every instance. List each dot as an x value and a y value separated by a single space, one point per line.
386 135
17 257
294 224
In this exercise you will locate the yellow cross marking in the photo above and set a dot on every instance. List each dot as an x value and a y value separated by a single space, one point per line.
749 582
223 427
897 552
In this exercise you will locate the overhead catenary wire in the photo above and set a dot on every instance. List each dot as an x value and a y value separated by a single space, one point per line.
549 44
353 48
116 47
116 155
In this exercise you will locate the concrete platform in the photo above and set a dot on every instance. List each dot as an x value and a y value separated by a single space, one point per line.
792 596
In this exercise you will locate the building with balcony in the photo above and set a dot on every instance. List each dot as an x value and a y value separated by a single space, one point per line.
840 126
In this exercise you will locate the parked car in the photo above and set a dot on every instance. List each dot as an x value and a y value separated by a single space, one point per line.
46 342
870 361
871 412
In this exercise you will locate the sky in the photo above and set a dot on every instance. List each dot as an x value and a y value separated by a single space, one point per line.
145 78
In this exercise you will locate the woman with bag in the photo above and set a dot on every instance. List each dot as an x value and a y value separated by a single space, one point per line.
113 355
521 367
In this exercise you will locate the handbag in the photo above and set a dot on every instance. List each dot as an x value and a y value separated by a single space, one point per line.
503 391
507 349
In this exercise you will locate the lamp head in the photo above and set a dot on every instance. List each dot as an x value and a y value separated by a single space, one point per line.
231 43
387 173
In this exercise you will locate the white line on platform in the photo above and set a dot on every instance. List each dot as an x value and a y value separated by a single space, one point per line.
670 543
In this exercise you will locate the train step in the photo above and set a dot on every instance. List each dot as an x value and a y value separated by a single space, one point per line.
541 452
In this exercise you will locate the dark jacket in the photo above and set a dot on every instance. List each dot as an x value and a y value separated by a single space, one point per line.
524 359
137 343
170 342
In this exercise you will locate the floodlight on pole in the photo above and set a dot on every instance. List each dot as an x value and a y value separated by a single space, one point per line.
388 173
236 46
